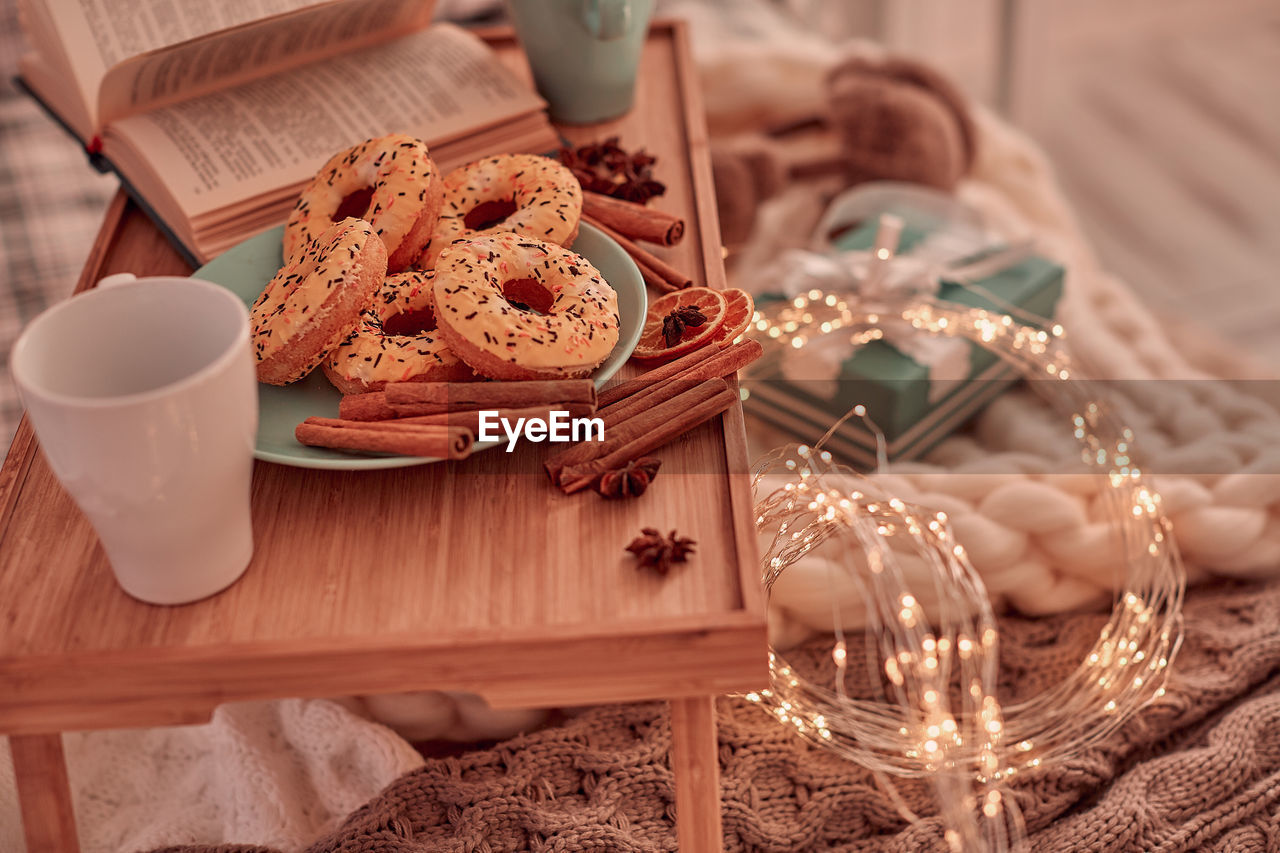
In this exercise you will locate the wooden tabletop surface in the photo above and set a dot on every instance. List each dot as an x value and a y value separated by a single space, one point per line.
474 575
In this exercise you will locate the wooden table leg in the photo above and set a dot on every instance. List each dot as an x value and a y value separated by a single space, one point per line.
43 793
696 762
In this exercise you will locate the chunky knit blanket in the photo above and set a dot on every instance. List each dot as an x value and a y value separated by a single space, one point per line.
1199 771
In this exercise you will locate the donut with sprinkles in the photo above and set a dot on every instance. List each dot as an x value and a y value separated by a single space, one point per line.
396 341
514 307
525 193
315 300
390 182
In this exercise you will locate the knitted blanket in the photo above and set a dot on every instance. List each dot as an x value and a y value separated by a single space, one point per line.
1198 771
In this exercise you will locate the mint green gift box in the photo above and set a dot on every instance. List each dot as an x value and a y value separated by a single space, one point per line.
894 388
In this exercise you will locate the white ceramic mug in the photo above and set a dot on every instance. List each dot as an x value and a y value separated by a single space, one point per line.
143 396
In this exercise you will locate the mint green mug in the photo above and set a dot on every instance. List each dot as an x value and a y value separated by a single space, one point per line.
584 53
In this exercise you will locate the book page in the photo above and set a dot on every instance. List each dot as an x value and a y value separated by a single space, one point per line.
212 151
69 72
111 31
227 57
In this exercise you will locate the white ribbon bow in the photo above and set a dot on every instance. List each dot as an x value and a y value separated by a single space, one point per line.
882 283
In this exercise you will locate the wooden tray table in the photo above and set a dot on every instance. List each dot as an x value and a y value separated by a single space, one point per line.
475 576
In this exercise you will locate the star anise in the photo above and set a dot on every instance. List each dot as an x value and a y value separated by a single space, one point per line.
607 168
630 480
658 552
674 324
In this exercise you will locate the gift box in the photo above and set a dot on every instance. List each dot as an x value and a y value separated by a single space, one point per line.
913 404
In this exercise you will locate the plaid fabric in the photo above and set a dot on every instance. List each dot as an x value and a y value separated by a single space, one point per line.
51 204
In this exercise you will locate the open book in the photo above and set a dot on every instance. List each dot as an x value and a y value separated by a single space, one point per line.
216 114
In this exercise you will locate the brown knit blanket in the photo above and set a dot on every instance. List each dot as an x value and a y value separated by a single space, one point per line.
1199 771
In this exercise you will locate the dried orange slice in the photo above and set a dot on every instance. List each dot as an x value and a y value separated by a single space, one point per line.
679 322
739 309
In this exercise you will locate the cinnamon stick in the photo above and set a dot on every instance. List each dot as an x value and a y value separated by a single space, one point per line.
470 419
441 442
410 399
614 393
650 434
653 269
637 221
490 395
366 407
652 279
646 390
655 419
408 426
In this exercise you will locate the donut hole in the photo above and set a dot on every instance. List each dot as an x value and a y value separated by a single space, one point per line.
355 204
487 214
417 321
528 295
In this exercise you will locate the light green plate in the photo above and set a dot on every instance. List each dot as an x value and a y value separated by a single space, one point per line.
246 269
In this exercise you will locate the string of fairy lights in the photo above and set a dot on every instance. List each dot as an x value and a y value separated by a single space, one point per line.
918 725
937 715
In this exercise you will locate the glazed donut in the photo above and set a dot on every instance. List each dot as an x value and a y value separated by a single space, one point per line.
378 352
525 193
476 283
390 182
315 300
